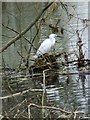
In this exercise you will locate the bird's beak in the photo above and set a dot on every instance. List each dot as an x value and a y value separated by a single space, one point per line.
60 36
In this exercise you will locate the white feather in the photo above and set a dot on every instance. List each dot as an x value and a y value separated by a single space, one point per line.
46 46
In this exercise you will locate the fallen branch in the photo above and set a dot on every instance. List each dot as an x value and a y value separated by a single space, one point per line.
44 107
25 30
21 93
53 108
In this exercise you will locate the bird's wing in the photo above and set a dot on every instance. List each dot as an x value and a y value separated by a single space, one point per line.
44 47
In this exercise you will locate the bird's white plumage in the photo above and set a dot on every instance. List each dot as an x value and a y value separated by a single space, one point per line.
46 45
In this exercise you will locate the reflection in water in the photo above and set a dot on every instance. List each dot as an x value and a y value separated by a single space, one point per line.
73 95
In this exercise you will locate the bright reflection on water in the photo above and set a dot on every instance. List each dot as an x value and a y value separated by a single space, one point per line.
72 96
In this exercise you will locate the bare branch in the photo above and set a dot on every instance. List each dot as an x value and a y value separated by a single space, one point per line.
25 30
21 93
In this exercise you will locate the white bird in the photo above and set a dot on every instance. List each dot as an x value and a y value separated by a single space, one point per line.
46 45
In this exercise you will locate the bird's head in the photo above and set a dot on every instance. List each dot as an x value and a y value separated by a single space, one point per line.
54 35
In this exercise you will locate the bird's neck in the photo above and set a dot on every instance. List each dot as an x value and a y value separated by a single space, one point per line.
52 41
52 38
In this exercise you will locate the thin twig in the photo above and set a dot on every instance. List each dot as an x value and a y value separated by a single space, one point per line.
44 90
18 33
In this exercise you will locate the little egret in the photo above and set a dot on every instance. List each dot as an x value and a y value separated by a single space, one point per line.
46 45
